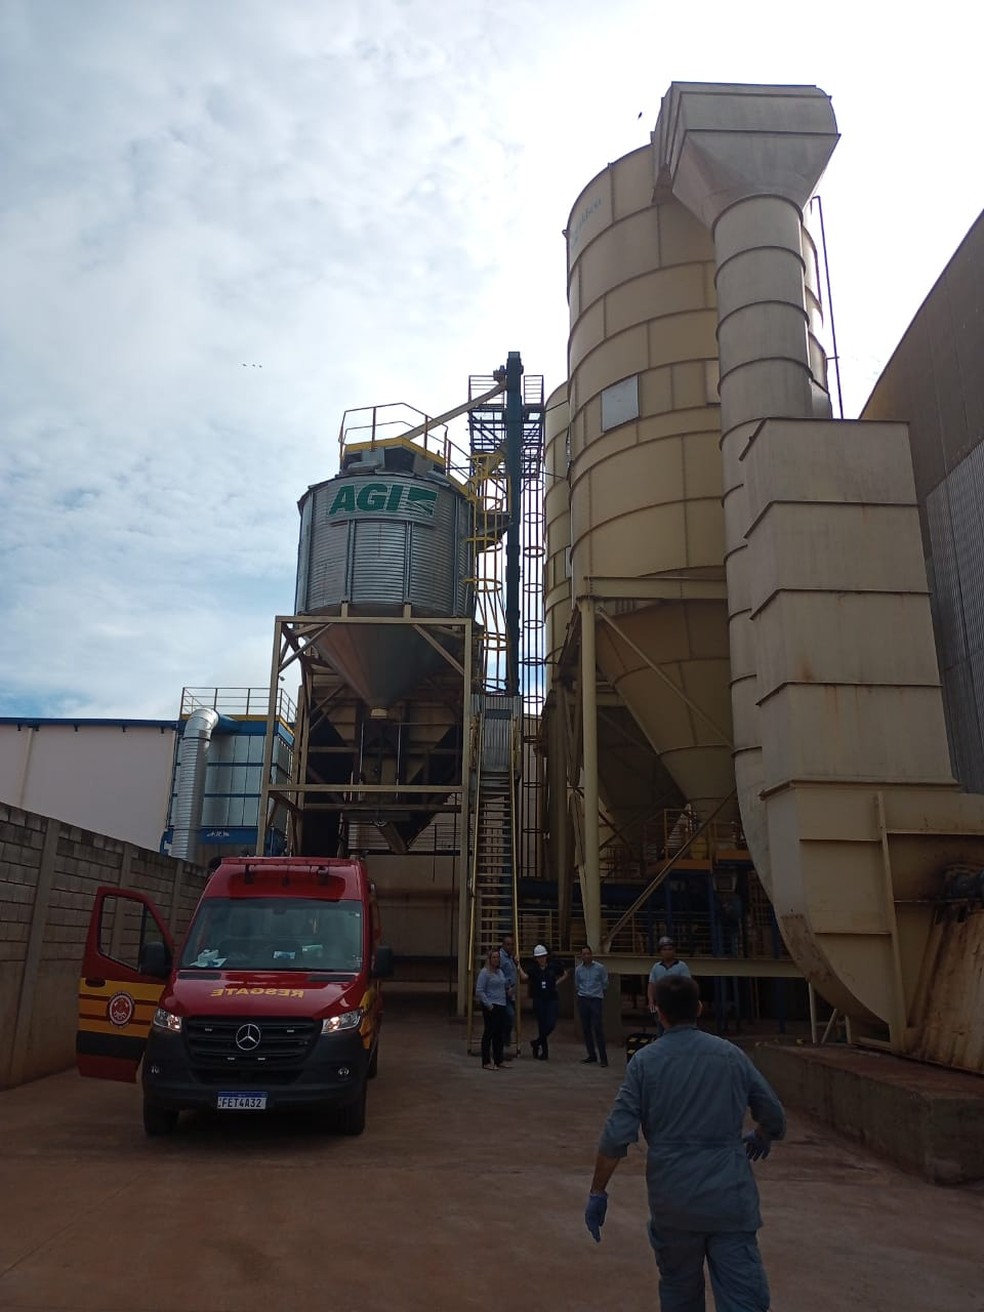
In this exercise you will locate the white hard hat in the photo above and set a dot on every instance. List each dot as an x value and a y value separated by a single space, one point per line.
540 951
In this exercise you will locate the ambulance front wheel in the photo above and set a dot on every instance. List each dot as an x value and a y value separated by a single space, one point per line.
158 1120
352 1119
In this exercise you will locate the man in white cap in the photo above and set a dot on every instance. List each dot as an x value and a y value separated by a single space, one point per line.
667 964
544 978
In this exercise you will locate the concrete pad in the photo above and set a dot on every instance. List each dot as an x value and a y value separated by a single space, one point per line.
465 1192
924 1118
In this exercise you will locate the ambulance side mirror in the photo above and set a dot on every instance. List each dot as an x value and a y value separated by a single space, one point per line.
382 966
155 960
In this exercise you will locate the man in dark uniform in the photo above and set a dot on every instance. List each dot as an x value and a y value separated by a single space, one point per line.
544 978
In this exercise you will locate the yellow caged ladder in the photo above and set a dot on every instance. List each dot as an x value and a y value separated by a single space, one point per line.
492 885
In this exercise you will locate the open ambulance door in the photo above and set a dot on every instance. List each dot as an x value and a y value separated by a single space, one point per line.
128 955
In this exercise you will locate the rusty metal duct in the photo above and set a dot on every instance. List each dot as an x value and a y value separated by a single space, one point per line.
850 810
745 161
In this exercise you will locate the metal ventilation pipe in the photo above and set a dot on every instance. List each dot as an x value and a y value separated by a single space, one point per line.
197 735
763 345
746 160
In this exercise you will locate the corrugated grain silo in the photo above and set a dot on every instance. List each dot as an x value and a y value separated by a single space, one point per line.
385 586
390 535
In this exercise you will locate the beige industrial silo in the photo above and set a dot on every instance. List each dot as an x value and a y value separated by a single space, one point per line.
647 524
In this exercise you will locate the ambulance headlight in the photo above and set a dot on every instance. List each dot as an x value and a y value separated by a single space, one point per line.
166 1020
348 1020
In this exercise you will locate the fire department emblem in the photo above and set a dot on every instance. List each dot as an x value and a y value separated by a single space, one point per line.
120 1009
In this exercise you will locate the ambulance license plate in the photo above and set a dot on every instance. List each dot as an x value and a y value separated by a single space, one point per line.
241 1102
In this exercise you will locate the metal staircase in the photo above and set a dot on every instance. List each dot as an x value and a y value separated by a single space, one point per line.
492 885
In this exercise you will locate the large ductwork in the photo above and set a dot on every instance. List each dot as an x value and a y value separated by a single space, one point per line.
745 160
190 792
841 761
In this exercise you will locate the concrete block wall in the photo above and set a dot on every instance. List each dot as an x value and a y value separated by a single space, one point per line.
49 872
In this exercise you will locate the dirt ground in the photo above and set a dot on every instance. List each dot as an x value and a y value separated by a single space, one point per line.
466 1191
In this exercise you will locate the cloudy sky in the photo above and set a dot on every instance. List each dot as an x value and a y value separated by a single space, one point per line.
222 222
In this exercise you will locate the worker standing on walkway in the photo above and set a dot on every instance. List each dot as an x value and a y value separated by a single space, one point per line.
590 983
544 976
513 972
668 964
490 991
688 1094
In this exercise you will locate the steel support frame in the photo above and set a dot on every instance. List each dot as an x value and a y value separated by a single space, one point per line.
665 869
295 637
589 612
578 718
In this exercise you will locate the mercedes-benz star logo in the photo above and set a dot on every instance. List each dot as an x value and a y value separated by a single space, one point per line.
248 1038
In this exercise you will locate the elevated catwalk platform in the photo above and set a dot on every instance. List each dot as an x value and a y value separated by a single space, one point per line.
709 967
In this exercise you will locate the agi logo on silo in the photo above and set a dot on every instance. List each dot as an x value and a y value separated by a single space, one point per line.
385 498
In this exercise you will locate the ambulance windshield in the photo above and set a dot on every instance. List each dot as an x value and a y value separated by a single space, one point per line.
275 933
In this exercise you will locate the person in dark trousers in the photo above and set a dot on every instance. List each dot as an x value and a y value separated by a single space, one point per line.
545 975
688 1094
513 972
590 983
490 991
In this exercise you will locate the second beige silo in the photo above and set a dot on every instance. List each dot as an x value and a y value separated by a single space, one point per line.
647 526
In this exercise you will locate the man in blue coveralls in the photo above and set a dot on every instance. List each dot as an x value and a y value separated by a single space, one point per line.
688 1093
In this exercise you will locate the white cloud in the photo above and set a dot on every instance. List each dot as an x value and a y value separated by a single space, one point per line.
359 201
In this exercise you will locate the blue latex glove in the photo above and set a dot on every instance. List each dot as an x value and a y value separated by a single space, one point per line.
594 1215
757 1144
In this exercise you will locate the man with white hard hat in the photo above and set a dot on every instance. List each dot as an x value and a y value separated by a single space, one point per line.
545 975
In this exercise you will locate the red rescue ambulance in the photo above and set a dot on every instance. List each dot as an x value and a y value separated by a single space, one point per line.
272 1003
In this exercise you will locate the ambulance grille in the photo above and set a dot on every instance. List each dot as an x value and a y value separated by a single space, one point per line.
243 1044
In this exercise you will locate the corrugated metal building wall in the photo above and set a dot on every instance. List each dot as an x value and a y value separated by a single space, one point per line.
935 383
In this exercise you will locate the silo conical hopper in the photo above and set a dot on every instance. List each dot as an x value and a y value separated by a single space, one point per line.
669 664
382 664
647 523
